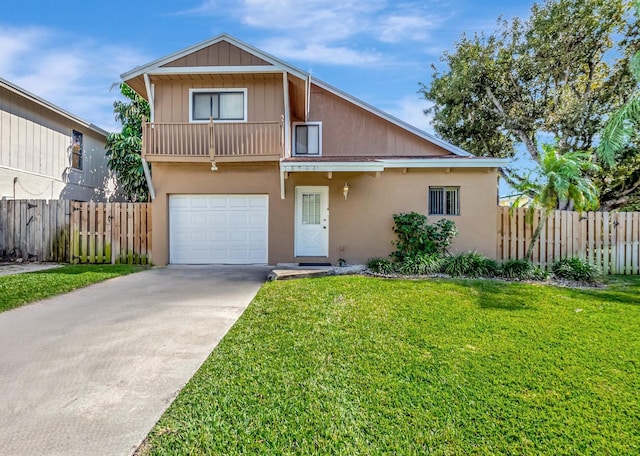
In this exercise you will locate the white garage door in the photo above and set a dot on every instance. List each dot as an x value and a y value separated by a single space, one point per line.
208 229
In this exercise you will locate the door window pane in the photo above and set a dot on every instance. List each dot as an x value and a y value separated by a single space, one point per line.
311 208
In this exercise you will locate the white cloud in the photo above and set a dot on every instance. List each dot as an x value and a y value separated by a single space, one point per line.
339 33
319 53
76 76
411 110
394 29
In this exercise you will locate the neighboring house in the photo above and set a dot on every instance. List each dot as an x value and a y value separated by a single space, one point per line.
48 153
509 200
256 161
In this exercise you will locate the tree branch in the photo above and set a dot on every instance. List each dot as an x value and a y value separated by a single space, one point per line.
531 148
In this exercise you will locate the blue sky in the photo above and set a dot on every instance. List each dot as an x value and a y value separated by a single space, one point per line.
70 52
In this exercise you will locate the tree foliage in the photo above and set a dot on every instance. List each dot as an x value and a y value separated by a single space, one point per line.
619 185
562 177
124 148
555 75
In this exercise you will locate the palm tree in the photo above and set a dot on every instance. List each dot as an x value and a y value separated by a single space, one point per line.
561 177
624 121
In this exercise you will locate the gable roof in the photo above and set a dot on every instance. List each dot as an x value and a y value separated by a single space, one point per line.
50 106
281 65
277 63
394 120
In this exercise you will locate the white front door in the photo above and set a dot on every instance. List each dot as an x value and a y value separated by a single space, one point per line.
312 222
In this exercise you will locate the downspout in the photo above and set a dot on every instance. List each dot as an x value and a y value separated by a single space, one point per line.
287 115
282 193
307 101
145 166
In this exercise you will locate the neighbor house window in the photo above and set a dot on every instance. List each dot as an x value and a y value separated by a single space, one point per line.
308 139
228 105
444 200
76 151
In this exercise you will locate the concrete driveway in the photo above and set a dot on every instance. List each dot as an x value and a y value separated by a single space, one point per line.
90 372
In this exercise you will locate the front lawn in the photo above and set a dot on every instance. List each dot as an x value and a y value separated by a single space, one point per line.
19 289
357 365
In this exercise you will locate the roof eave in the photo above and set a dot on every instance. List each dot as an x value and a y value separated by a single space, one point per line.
50 106
196 47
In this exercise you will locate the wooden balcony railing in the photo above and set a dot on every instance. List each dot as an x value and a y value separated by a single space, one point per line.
213 141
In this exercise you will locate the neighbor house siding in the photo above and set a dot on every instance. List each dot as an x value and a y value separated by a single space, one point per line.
349 130
359 227
265 100
35 148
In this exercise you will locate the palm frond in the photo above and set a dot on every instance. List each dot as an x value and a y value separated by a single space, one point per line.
618 130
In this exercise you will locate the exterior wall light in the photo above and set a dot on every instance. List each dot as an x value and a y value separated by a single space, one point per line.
345 190
213 166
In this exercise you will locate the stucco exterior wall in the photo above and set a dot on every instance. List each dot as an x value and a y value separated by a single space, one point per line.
349 130
359 227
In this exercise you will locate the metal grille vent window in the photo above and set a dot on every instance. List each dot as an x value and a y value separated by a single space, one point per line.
444 200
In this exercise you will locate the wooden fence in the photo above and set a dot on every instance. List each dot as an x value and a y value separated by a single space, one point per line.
110 233
610 240
35 230
74 232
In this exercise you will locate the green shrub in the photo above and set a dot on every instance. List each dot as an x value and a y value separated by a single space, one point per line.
522 270
576 269
470 264
416 236
381 265
420 264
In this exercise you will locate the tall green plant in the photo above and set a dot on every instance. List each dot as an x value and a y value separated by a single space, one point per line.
416 236
561 178
124 148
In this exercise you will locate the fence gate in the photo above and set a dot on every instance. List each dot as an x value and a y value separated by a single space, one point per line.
34 230
111 233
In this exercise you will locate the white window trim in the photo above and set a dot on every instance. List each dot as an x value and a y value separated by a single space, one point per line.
214 89
294 142
444 202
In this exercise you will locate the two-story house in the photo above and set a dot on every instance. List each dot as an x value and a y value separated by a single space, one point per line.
256 161
49 153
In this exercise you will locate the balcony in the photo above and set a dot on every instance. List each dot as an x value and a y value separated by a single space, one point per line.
221 142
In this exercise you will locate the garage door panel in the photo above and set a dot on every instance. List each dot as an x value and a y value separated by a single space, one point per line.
208 229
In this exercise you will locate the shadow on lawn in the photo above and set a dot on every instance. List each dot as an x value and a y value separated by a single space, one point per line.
492 294
518 296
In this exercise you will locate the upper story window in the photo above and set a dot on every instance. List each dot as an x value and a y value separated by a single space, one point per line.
224 105
77 151
307 139
444 200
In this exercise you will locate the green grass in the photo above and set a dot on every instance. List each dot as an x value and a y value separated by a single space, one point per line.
357 365
19 289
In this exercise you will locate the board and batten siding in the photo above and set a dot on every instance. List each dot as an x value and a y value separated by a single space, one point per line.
265 100
219 54
35 153
348 130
